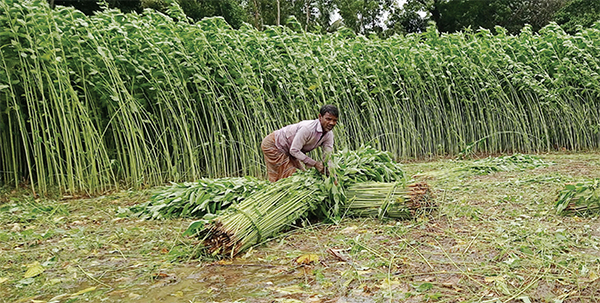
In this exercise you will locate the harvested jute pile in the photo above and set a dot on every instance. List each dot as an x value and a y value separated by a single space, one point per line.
278 205
263 214
582 198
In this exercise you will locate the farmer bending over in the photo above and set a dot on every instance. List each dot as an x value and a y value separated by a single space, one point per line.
285 148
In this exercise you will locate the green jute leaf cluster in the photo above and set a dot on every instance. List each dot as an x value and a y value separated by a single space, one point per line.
582 198
197 199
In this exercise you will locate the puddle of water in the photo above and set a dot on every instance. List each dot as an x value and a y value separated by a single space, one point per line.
215 283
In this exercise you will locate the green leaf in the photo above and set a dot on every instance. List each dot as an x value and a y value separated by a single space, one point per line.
194 228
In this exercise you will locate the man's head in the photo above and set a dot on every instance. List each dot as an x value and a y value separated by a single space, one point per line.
328 116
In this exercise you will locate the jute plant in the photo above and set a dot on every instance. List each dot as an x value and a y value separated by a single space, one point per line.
90 103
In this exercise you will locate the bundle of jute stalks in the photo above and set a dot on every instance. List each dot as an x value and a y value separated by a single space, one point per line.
278 205
263 214
389 200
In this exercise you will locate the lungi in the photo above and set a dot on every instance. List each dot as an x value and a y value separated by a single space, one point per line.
279 164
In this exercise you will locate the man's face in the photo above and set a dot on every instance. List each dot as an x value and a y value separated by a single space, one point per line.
328 121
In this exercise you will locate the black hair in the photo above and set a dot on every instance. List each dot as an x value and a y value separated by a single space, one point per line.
329 109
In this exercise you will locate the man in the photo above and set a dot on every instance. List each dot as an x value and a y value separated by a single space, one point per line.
285 149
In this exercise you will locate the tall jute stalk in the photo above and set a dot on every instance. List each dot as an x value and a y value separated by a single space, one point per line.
90 103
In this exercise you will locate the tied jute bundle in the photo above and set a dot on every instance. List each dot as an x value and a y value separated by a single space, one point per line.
389 200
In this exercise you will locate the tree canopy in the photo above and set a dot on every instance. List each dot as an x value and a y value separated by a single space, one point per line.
382 17
577 13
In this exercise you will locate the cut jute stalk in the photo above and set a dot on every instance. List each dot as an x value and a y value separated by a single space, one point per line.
581 198
389 200
275 208
262 215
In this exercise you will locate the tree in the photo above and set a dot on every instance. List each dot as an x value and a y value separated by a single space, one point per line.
412 17
539 13
230 10
456 15
313 15
89 7
578 13
363 16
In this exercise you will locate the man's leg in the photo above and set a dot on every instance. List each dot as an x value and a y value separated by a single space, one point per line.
279 165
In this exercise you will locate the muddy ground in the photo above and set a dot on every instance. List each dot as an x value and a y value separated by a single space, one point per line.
495 238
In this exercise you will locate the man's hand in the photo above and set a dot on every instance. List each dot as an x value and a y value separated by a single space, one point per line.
320 167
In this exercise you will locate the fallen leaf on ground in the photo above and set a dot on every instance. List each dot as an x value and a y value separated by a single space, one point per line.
307 259
494 279
2 280
593 276
348 230
33 270
178 294
387 283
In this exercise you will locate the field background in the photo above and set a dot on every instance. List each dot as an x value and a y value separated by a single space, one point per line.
96 111
495 238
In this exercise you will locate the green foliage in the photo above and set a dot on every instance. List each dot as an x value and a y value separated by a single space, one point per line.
312 16
365 164
88 7
363 16
582 198
196 199
407 18
460 15
515 162
230 10
457 15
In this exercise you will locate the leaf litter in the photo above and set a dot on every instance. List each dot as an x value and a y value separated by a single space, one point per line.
496 238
